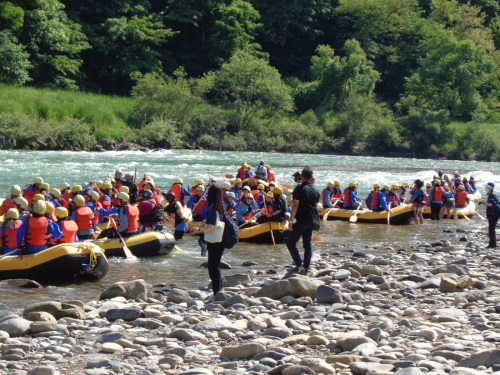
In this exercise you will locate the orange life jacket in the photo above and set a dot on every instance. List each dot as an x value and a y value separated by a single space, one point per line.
10 239
199 206
242 173
7 205
267 208
347 196
438 194
270 175
256 194
393 199
132 218
402 195
67 196
337 194
69 229
30 193
177 190
38 231
84 218
461 198
374 202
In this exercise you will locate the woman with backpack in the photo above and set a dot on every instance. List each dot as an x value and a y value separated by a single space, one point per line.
213 234
492 213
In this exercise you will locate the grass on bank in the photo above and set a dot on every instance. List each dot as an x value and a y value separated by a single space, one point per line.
108 115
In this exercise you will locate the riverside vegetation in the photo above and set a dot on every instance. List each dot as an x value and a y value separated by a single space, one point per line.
408 77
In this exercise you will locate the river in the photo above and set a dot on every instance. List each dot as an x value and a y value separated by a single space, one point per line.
181 267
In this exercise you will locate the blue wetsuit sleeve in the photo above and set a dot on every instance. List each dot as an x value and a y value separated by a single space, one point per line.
123 220
383 201
327 201
21 232
55 230
185 191
103 212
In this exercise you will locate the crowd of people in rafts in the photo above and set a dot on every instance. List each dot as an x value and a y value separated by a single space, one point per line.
442 194
37 216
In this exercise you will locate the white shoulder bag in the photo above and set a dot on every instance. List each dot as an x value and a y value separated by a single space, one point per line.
218 232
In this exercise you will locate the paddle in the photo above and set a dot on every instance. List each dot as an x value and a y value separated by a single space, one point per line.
126 250
461 213
187 174
317 238
480 216
209 177
10 252
230 176
325 216
253 217
354 217
389 214
270 226
286 186
135 172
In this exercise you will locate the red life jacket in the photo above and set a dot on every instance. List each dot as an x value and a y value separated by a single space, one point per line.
177 190
199 206
267 208
347 196
438 194
270 175
132 218
38 231
249 214
97 215
84 218
256 195
461 198
337 194
69 229
10 239
402 195
393 199
242 173
67 196
7 205
193 190
29 193
375 201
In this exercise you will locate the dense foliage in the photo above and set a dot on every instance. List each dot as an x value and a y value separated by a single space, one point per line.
414 77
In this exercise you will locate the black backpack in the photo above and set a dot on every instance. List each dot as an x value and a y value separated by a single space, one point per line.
494 211
231 234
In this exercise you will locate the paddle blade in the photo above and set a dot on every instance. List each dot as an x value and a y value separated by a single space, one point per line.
317 238
229 176
325 216
286 186
127 252
353 218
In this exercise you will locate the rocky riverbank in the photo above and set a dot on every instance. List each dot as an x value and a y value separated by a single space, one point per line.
429 308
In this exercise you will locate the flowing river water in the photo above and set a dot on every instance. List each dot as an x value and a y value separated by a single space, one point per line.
181 267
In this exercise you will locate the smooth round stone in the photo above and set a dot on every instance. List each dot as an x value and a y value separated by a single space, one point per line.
111 347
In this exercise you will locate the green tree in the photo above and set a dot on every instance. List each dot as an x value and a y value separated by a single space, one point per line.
127 46
449 77
11 16
14 60
248 83
53 42
337 78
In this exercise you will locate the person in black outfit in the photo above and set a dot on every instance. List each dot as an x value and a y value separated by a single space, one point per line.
305 213
492 200
279 206
215 249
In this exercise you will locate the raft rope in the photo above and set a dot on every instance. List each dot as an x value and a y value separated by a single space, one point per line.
86 247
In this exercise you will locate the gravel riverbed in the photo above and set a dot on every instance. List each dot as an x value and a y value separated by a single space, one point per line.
428 308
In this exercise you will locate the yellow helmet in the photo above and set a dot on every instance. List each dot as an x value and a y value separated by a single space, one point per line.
336 183
49 208
437 182
461 187
237 181
428 185
375 186
456 173
260 187
394 187
124 197
12 214
38 197
124 189
22 202
44 186
63 186
15 190
198 182
267 166
277 190
244 164
99 184
352 184
55 192
61 212
39 207
79 200
76 189
107 185
95 195
38 180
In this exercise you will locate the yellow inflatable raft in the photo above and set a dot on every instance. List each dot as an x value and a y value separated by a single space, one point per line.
142 245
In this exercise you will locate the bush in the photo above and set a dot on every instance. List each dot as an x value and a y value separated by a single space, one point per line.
161 134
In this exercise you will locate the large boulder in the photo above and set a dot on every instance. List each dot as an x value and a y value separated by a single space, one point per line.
327 294
296 286
15 327
135 289
486 358
242 351
57 309
177 295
